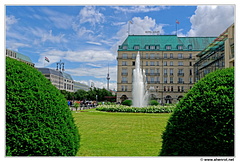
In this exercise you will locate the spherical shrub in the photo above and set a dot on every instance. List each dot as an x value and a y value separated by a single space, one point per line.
38 120
203 122
127 102
153 102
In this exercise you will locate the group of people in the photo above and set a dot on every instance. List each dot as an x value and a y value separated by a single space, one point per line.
82 103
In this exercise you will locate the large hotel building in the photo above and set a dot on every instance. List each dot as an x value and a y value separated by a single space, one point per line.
168 63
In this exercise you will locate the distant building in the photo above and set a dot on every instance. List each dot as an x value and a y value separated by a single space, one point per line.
19 56
167 61
77 86
61 80
217 55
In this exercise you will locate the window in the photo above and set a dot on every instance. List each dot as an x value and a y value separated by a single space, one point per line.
180 47
180 72
146 47
164 88
126 87
190 80
190 63
124 63
125 47
151 63
165 79
134 56
168 47
180 80
152 47
146 71
165 71
157 63
171 55
146 63
180 56
171 88
124 56
146 55
157 47
165 63
190 55
165 55
180 63
152 56
190 47
171 71
133 63
182 88
122 87
136 47
151 71
124 71
171 63
152 79
178 88
124 79
171 79
190 71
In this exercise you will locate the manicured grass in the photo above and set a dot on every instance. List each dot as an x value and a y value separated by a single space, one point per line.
120 134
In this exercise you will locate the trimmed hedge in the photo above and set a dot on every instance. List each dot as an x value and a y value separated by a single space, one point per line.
203 122
127 102
38 120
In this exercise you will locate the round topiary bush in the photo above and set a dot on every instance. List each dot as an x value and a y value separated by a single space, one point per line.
153 102
127 102
38 120
203 121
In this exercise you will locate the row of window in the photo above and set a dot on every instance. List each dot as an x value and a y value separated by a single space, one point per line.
157 71
157 63
157 56
156 80
157 47
165 88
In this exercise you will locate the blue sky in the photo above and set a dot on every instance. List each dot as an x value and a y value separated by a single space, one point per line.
86 38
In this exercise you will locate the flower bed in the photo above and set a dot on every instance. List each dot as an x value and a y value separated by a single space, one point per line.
148 109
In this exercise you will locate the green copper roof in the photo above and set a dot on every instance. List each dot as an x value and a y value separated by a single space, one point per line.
23 57
193 43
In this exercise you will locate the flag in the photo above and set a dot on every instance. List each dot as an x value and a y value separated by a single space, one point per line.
46 59
177 22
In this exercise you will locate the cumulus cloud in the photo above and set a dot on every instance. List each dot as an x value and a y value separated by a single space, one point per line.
139 26
211 20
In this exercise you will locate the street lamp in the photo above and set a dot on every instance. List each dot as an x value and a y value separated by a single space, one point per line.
61 69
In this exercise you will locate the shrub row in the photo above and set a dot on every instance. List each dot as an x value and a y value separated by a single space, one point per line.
149 109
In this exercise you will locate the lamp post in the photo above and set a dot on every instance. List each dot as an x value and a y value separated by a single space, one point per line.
61 69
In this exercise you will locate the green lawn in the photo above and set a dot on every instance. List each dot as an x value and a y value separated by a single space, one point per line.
120 134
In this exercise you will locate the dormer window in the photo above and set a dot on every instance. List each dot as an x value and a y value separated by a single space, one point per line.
180 47
146 47
190 47
136 47
152 47
157 47
125 47
168 47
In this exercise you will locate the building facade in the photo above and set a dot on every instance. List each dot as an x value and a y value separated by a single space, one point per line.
217 55
167 61
77 86
19 57
60 80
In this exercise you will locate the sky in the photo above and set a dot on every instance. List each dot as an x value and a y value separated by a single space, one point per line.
86 37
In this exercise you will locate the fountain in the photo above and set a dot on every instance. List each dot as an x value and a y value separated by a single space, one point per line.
139 91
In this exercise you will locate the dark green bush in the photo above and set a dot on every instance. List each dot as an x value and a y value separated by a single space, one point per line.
153 102
38 120
203 122
127 102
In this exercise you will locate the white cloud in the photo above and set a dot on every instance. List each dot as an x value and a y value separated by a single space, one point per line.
137 9
10 20
91 15
87 56
95 43
100 84
211 20
138 27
